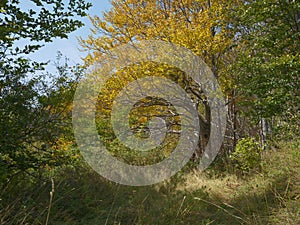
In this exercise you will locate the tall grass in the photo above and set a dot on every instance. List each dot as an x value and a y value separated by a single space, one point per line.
270 195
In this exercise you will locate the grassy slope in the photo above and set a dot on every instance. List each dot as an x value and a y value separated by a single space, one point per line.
269 197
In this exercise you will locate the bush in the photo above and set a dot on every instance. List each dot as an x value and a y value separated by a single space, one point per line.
247 154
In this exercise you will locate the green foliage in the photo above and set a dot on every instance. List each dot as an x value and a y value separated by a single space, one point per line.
30 115
268 60
36 125
247 154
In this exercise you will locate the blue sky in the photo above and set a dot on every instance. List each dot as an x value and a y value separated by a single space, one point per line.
70 47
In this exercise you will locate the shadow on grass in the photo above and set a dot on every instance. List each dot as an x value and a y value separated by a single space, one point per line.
83 197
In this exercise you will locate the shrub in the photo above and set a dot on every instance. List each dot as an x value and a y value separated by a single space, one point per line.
247 154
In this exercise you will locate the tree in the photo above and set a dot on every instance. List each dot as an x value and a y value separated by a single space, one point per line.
268 64
26 121
201 26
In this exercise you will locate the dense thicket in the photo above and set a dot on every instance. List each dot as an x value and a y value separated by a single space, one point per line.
31 114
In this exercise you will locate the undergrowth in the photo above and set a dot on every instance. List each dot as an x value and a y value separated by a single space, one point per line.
270 195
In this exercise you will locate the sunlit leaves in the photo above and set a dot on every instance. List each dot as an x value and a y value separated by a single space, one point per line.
269 62
29 119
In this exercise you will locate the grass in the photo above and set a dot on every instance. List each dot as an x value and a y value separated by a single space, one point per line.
269 196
